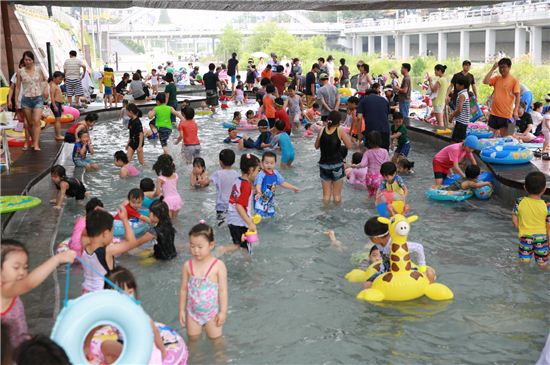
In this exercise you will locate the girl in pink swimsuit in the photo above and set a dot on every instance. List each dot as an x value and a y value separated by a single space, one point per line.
167 184
203 294
126 168
17 281
373 158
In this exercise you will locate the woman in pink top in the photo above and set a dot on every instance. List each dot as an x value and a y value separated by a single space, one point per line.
373 158
167 184
450 157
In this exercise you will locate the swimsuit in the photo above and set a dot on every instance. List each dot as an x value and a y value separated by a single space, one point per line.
14 318
202 299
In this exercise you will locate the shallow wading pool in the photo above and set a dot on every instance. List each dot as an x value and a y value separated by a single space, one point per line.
290 303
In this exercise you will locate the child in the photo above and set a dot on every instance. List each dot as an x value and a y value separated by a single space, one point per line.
16 281
357 176
79 238
400 137
263 140
451 156
373 158
404 166
233 136
308 132
80 152
147 185
39 349
546 134
295 107
251 118
137 137
108 81
57 102
167 184
132 206
155 81
238 95
71 187
236 119
380 236
191 148
356 126
532 219
82 126
469 182
203 293
199 175
124 113
223 180
391 188
268 105
266 181
280 114
461 115
126 168
312 114
163 123
162 230
240 205
285 144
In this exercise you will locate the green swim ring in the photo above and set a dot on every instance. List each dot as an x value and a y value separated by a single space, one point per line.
14 203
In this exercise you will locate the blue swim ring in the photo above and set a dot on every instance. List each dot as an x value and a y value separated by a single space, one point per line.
483 193
104 307
506 155
490 142
138 227
449 195
479 133
484 176
229 125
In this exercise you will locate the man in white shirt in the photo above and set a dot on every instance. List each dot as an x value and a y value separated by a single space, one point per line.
73 78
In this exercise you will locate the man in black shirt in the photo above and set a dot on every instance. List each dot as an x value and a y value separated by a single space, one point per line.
310 91
211 84
233 69
452 92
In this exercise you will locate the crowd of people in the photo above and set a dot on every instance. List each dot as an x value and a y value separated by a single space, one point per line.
373 122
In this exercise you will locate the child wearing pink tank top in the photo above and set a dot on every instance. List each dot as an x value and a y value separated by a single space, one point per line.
167 184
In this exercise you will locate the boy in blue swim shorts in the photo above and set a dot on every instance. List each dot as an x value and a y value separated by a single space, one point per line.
285 144
532 219
266 181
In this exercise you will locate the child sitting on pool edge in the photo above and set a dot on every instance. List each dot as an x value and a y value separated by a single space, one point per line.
451 156
532 219
65 186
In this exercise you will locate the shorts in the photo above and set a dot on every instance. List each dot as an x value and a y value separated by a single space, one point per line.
164 134
212 97
221 217
108 90
331 172
32 103
233 79
59 111
459 132
439 108
74 87
287 157
497 122
295 119
190 151
440 171
82 162
536 244
69 138
404 149
237 233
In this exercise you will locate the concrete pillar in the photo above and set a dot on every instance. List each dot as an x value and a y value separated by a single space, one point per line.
520 37
398 51
349 43
405 53
383 45
535 45
490 44
441 46
358 45
371 45
464 45
422 44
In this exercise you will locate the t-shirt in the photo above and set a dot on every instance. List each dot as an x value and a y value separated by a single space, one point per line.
223 181
251 77
470 78
76 151
464 115
137 88
108 78
532 216
296 70
523 122
189 130
281 114
279 81
163 114
397 185
344 72
439 100
375 109
232 66
72 68
135 127
403 138
503 95
266 74
405 97
210 80
264 138
241 194
121 87
269 106
283 140
130 211
268 179
170 69
294 105
328 93
536 117
451 154
310 80
173 99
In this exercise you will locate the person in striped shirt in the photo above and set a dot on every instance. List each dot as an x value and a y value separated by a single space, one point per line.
461 115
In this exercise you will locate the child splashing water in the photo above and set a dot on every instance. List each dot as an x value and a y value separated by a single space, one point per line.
137 137
162 231
203 293
167 184
126 168
199 175
373 158
16 281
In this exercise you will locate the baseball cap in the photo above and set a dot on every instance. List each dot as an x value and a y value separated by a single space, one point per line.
323 76
472 142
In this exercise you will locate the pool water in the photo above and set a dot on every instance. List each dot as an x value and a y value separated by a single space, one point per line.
289 304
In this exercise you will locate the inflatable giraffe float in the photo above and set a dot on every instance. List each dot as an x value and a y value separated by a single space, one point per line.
401 282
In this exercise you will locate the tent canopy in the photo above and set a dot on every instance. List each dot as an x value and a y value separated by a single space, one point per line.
263 5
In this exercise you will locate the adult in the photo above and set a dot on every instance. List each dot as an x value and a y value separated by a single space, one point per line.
273 61
330 69
233 69
170 92
279 80
506 96
15 99
194 76
452 92
322 66
546 107
364 80
251 77
327 97
331 163
73 78
344 73
261 65
35 91
404 91
212 84
375 110
438 89
526 96
310 85
137 87
296 73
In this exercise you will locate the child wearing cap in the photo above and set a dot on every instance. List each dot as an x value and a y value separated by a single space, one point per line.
451 156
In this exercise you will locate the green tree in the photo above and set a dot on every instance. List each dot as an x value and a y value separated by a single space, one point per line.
230 41
261 36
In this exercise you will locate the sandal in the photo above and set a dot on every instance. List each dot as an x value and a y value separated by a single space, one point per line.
537 153
546 156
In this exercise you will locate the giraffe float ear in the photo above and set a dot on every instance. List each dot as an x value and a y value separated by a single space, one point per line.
412 218
384 220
